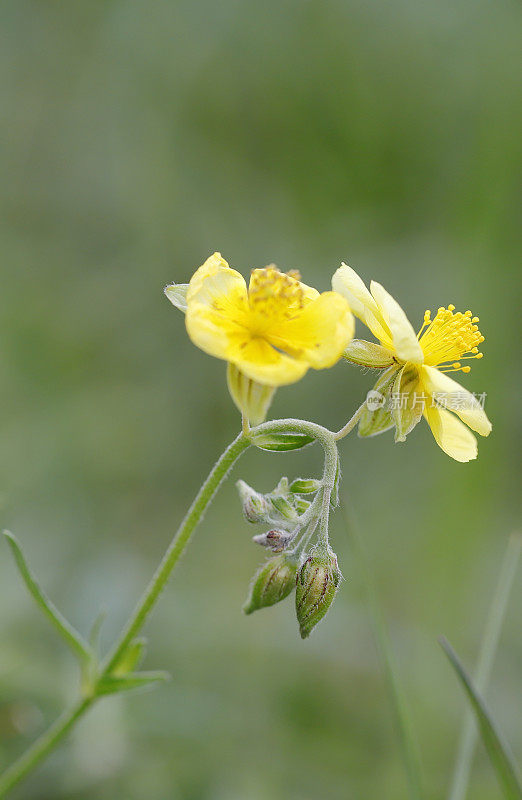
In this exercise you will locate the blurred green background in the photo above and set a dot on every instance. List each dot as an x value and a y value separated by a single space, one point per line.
137 138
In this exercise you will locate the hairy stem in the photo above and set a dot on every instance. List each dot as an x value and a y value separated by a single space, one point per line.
175 549
48 741
43 746
350 425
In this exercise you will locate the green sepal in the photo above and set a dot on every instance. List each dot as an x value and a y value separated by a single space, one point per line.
406 416
305 485
368 354
252 398
283 507
274 581
301 505
278 442
177 294
378 420
112 684
131 658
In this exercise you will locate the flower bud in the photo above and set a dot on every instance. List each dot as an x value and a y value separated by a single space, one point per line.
255 507
272 582
283 508
275 539
301 505
316 586
305 485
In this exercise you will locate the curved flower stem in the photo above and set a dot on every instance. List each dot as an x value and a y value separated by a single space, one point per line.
175 549
325 437
350 425
52 737
47 742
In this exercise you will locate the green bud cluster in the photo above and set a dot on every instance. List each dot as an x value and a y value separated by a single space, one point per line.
282 506
316 586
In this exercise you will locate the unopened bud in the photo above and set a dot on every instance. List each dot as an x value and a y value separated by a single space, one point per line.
283 507
316 586
305 485
272 583
255 506
301 505
275 539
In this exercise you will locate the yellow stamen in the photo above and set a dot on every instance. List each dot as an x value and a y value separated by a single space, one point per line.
275 294
449 338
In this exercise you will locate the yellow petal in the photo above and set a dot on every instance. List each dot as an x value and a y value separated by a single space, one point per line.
319 334
345 281
206 329
451 434
457 399
404 337
260 361
216 307
214 277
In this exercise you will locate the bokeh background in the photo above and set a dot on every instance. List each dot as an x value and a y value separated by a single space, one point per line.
137 138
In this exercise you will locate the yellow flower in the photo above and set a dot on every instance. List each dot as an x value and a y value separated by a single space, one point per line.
415 380
269 333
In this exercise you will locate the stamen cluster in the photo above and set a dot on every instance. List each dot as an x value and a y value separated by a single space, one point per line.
272 292
450 338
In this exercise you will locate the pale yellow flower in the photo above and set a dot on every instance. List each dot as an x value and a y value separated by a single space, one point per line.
269 333
415 380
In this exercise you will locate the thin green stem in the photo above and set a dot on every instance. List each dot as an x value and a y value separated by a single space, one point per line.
43 746
350 425
175 549
468 738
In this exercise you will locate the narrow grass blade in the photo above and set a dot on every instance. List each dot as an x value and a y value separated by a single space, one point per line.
497 749
407 741
459 785
64 628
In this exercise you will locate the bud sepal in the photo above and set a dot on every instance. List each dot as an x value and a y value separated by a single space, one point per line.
255 506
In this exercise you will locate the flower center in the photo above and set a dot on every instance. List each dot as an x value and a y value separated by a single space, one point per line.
450 338
275 295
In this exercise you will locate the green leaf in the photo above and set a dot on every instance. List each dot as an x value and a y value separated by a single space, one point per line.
112 684
70 635
131 657
488 649
497 749
177 294
94 633
277 442
406 734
